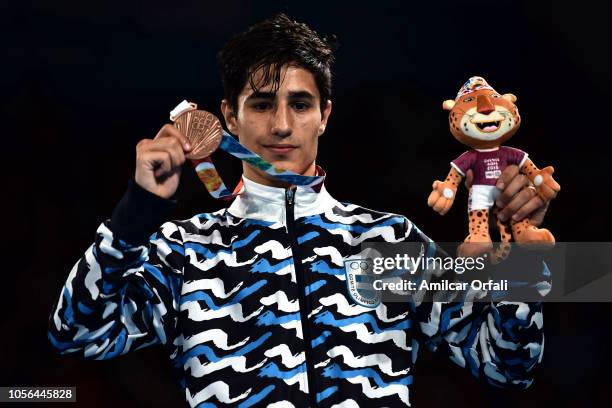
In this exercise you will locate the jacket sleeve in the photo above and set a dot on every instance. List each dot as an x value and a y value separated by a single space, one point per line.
122 294
500 342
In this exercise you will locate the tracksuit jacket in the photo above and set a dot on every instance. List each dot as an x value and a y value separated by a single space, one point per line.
252 306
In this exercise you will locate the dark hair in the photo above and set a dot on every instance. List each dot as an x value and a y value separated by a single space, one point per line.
268 46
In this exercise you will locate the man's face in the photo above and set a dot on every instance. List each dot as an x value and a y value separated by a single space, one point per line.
282 127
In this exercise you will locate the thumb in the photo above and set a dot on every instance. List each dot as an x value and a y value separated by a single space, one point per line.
548 169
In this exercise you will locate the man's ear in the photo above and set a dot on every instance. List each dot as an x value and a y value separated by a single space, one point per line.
324 117
229 116
448 104
510 97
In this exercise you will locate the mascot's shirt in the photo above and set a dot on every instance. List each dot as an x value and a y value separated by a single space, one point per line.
488 165
253 306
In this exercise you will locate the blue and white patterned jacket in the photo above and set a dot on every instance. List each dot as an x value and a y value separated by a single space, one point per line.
251 305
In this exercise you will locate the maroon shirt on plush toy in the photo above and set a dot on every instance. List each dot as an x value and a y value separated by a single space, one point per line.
488 165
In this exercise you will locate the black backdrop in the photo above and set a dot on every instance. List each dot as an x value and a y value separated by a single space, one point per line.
82 83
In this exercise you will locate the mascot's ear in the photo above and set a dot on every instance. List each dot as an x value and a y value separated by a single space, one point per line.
510 97
448 104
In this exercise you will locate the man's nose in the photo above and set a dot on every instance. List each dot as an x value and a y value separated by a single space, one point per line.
484 104
281 122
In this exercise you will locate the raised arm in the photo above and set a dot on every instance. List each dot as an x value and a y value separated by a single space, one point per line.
122 294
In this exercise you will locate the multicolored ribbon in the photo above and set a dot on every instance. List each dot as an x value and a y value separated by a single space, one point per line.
208 174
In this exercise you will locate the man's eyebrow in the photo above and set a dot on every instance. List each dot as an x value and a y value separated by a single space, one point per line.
262 95
301 95
272 95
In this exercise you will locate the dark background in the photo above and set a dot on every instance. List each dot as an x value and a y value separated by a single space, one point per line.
82 83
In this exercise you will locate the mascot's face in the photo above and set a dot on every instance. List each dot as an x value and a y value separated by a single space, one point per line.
483 119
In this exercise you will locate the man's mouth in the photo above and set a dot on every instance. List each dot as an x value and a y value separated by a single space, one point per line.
489 126
280 148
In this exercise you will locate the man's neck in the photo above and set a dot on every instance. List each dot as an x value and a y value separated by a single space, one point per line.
261 177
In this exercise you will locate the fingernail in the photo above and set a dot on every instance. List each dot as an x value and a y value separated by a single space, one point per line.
187 146
515 217
500 185
502 217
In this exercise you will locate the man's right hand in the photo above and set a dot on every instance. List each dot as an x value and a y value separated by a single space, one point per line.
159 161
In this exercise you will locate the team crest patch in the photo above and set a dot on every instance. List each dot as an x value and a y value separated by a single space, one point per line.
359 282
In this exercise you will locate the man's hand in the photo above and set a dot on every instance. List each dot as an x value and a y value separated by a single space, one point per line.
159 161
518 198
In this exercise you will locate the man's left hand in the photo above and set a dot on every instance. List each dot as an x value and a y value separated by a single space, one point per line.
517 198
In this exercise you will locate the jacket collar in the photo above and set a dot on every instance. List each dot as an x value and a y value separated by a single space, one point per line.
265 203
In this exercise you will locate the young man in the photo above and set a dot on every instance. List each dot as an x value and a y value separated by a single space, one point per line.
251 302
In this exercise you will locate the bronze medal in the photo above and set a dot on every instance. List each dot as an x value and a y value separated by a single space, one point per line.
204 132
202 129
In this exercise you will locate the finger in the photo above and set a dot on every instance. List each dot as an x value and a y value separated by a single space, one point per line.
164 143
142 144
439 205
433 197
172 146
517 202
507 175
446 207
537 217
531 206
158 161
169 130
512 188
547 192
469 178
434 186
176 154
554 185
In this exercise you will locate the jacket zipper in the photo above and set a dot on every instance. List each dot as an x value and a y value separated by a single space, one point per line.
300 276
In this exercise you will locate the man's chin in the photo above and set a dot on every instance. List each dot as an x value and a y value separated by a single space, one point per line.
287 165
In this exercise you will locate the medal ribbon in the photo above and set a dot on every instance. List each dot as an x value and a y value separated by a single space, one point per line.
209 176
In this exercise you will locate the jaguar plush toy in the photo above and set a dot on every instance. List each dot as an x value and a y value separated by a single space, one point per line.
483 120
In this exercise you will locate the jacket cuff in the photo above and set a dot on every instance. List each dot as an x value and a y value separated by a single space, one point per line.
139 213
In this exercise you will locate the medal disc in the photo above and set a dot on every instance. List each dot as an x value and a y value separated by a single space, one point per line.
203 131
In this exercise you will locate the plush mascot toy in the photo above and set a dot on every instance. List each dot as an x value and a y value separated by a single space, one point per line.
483 120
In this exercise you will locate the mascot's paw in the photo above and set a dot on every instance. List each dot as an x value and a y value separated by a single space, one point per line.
546 186
442 197
475 245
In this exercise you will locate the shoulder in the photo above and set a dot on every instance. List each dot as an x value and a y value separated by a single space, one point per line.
178 229
465 160
468 154
511 150
354 214
360 213
514 155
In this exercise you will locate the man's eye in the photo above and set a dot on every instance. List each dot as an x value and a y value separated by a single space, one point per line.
468 99
301 106
495 95
262 106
